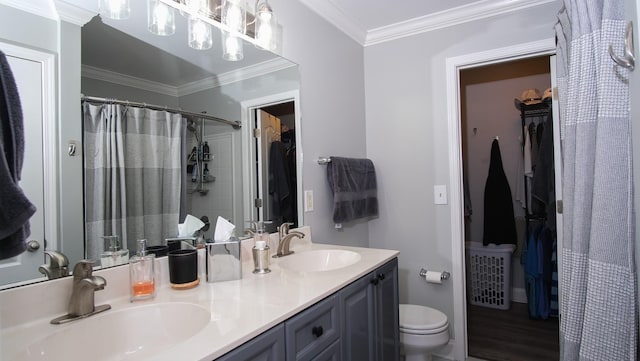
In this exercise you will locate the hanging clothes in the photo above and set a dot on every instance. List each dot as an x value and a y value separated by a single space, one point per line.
499 220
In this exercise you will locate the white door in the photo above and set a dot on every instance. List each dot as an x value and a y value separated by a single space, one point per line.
557 160
269 126
30 81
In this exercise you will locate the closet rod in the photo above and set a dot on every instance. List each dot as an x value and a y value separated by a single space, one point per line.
234 123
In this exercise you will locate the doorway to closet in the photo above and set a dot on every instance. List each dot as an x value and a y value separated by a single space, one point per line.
490 114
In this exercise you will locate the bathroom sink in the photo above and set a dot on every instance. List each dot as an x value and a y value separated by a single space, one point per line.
319 260
130 334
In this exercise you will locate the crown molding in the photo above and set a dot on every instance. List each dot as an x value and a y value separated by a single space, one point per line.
130 81
44 8
481 9
334 15
73 14
189 88
234 76
459 15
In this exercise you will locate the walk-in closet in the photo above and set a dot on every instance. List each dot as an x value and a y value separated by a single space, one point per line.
509 211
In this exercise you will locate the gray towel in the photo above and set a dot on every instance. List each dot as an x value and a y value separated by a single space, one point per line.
353 183
15 208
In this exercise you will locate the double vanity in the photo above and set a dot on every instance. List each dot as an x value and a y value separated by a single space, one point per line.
313 304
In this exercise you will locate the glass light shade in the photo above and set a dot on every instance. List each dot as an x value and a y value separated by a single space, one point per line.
115 9
160 18
265 28
231 47
234 15
195 6
199 34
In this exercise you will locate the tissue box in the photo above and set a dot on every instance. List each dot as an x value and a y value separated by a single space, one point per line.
224 262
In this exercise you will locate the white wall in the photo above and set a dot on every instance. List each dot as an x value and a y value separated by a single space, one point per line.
333 119
407 139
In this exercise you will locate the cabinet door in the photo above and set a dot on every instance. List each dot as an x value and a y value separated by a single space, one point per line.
386 312
268 346
313 330
358 324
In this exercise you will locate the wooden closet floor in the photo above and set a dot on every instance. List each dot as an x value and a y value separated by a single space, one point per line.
498 335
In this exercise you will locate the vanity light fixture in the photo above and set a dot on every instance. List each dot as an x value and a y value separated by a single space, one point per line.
160 18
228 15
234 16
199 34
265 26
115 9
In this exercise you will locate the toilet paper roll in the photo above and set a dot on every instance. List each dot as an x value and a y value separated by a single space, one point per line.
434 277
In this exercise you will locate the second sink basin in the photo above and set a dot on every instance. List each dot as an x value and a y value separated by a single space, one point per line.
319 260
130 334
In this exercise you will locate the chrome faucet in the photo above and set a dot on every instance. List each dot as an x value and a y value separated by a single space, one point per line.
285 239
82 300
57 267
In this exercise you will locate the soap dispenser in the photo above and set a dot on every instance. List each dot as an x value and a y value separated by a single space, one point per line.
261 252
112 254
141 272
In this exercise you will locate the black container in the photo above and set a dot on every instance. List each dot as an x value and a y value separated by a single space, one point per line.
183 268
159 251
174 244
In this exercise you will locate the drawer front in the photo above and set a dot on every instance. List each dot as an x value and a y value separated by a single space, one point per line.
332 353
313 330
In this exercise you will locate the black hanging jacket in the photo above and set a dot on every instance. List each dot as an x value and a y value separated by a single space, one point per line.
499 221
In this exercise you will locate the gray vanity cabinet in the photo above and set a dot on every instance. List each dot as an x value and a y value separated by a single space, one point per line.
313 330
370 329
268 346
357 323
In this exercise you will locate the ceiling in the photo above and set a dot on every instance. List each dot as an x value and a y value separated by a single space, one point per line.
374 21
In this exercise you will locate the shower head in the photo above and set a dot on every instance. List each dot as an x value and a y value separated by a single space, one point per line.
191 125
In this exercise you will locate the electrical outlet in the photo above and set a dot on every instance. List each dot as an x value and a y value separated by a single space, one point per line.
308 201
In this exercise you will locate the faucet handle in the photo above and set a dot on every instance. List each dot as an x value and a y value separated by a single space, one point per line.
57 259
283 229
83 269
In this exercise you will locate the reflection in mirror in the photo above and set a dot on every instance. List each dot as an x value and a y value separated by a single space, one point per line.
122 60
146 169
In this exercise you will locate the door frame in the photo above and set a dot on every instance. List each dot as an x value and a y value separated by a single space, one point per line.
247 119
453 67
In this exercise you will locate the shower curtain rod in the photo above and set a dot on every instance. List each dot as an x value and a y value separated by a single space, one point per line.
234 123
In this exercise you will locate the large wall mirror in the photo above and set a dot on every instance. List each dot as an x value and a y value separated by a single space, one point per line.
149 166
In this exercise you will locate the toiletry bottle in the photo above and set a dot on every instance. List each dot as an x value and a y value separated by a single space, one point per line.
261 253
113 255
141 272
205 173
194 174
205 150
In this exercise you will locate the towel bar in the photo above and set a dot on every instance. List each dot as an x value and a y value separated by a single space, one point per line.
324 160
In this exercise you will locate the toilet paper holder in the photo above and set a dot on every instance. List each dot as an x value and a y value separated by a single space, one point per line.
443 276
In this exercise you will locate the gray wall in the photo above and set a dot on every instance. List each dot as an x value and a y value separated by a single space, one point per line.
333 118
407 139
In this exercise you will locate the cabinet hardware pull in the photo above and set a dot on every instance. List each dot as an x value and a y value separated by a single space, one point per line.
375 281
381 276
317 331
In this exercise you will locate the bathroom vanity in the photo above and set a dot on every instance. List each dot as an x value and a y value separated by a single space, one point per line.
323 300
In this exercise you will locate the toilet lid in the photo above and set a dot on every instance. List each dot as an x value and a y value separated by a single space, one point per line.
415 317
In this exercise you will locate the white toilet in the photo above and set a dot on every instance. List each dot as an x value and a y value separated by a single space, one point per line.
422 330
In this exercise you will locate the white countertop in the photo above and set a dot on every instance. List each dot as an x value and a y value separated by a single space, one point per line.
240 310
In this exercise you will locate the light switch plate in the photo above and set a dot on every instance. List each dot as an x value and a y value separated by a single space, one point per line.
440 194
